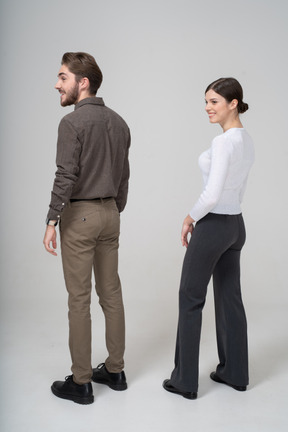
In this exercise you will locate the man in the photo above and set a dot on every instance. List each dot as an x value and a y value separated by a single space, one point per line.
90 190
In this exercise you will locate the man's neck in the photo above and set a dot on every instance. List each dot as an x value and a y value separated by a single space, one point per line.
82 96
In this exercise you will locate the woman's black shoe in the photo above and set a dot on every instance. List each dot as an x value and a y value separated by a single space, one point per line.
217 379
188 395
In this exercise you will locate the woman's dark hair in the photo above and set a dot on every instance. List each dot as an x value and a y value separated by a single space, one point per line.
84 65
230 89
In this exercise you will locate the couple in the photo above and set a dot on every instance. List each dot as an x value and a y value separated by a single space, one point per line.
89 192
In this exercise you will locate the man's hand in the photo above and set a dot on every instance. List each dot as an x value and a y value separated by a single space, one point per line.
187 228
50 237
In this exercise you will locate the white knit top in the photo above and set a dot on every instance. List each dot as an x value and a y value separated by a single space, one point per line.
225 167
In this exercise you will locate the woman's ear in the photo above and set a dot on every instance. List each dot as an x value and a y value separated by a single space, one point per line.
234 104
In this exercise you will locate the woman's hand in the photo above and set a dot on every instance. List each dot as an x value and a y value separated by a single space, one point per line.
187 228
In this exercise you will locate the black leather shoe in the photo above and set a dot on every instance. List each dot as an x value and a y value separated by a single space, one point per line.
188 395
217 379
68 389
116 381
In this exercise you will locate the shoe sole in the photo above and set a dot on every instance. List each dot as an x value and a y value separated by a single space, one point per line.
80 400
175 391
215 378
117 387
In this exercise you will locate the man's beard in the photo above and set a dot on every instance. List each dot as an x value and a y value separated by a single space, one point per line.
71 96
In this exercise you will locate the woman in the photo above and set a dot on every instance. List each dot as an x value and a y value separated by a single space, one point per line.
214 249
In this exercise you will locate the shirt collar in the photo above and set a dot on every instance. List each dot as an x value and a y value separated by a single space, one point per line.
90 100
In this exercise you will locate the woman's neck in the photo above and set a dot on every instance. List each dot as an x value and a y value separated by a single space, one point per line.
235 123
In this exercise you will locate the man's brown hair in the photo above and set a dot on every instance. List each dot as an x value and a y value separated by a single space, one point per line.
83 65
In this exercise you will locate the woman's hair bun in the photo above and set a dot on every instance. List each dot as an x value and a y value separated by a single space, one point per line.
242 107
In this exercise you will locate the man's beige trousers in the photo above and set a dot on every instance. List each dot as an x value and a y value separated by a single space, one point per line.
89 241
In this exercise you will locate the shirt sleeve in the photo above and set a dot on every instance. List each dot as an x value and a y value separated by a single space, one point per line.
121 198
67 161
220 161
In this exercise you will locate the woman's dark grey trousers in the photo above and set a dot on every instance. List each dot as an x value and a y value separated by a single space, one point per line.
214 250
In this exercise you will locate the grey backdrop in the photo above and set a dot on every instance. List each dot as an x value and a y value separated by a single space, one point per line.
157 57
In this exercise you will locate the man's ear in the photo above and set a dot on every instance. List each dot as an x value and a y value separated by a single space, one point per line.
84 84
